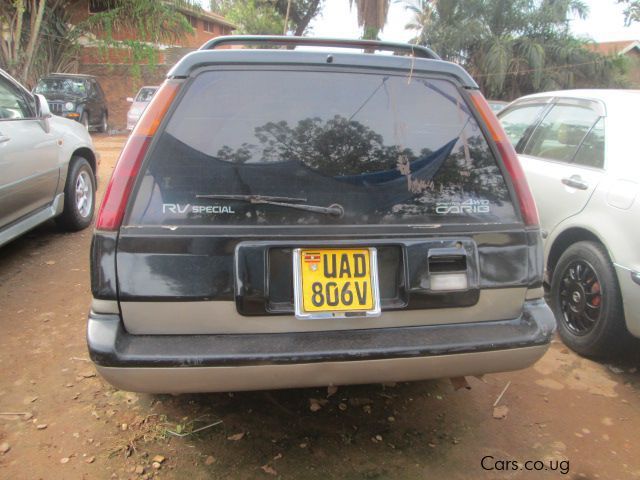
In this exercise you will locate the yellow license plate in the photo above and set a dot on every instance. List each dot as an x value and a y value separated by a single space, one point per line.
336 282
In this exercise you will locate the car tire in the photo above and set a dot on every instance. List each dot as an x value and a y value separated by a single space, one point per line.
84 120
104 123
586 301
79 196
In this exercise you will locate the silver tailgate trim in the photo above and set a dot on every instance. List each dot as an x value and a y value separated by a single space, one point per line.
207 317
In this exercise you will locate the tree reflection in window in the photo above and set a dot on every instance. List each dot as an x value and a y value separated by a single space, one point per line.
339 148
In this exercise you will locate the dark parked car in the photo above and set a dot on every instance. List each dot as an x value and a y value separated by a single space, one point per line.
78 97
284 218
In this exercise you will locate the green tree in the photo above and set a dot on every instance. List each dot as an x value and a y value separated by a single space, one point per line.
337 145
632 10
153 21
372 16
301 12
36 36
513 47
20 31
268 17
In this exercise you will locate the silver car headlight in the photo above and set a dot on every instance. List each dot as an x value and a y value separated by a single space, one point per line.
69 107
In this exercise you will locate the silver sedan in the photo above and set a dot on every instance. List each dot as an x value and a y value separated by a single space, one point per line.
47 165
138 105
579 154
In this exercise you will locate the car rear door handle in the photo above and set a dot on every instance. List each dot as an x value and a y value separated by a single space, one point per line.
575 181
4 138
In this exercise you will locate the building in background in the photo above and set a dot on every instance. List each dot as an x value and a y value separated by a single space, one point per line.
113 63
629 49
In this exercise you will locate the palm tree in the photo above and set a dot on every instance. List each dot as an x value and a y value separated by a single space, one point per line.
372 15
36 36
631 11
511 47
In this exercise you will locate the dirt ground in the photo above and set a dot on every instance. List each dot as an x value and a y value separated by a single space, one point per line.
578 418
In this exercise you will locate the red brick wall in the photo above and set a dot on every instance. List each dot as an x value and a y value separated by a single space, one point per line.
114 70
79 11
90 55
118 84
200 36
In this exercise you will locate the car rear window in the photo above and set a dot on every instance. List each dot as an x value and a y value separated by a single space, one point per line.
388 149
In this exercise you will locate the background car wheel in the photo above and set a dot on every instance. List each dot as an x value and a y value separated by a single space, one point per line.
586 301
84 121
104 123
79 196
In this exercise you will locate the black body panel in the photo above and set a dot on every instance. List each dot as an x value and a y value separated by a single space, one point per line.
167 251
198 264
111 346
402 267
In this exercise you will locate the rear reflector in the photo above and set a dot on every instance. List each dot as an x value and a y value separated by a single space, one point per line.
509 158
128 165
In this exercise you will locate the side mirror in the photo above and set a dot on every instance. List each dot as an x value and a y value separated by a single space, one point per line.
130 99
42 111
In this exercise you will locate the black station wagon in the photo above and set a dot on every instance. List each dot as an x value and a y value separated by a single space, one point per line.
288 218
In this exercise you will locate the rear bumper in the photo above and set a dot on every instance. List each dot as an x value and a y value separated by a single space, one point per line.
206 363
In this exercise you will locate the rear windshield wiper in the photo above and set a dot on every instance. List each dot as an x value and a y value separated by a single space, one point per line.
334 209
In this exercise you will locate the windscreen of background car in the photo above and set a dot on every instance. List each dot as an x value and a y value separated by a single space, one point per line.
145 94
388 149
66 86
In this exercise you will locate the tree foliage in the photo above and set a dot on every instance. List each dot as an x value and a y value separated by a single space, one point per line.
513 47
372 16
631 11
337 145
268 17
36 36
153 21
20 31
342 147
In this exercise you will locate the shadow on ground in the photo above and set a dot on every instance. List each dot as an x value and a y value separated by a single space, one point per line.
369 431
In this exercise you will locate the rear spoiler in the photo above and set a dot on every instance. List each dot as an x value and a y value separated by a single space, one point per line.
417 58
290 41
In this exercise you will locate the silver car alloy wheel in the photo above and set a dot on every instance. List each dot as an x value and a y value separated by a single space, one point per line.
84 194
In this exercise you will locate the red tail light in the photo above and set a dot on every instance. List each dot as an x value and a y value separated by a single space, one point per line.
510 159
128 164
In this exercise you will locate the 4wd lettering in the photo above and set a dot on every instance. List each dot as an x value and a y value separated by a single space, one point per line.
468 206
198 209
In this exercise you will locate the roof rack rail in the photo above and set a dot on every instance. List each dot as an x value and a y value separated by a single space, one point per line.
291 41
63 74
